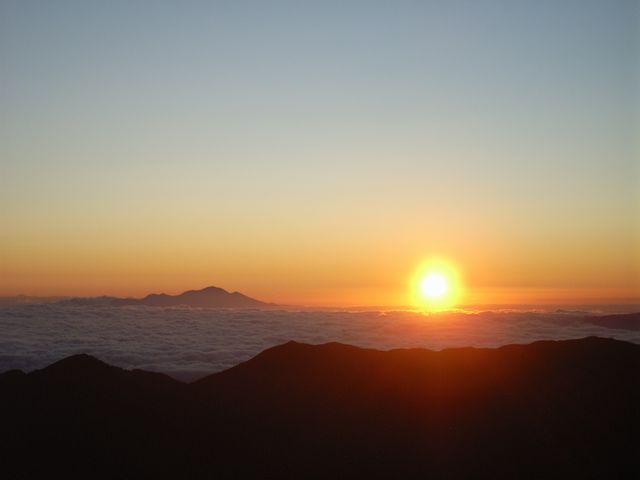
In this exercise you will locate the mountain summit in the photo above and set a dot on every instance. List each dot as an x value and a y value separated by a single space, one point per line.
207 297
214 297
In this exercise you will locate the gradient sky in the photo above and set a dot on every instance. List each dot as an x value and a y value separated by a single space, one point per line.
316 152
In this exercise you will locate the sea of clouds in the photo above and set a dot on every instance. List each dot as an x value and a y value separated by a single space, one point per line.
189 343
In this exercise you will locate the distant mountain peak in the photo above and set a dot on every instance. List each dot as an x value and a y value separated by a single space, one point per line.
212 289
211 296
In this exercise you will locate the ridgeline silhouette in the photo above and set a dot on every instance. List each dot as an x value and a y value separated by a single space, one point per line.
551 409
213 297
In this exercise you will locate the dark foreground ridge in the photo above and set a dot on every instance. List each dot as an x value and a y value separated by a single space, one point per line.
566 409
212 297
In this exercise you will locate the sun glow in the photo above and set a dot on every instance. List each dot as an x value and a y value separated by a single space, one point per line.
436 286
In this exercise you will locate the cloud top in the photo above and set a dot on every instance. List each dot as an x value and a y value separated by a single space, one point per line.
188 343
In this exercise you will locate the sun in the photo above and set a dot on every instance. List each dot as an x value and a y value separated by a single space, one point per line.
436 285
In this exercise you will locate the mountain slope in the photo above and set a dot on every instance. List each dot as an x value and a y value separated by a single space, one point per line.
546 410
213 297
207 297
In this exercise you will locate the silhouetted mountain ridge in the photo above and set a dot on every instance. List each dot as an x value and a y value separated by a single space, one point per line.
551 409
212 297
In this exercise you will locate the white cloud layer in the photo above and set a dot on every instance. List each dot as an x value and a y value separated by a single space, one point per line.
188 343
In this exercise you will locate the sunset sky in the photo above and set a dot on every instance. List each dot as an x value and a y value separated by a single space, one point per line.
317 152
